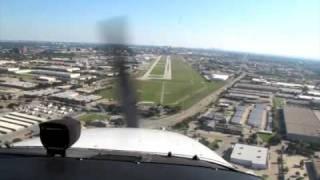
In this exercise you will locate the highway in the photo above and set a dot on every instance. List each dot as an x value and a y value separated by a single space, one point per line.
193 110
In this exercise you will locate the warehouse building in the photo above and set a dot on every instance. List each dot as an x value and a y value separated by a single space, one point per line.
316 168
308 98
269 123
74 97
256 87
46 79
257 116
16 121
58 74
238 96
239 115
228 128
41 92
263 94
219 77
8 69
250 156
301 124
291 91
16 83
59 68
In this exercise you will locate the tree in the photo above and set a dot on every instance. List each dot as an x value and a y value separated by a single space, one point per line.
214 145
241 140
264 177
305 89
16 140
12 105
252 139
301 163
3 97
274 140
9 97
301 148
204 141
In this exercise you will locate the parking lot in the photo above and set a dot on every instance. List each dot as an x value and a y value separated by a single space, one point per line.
47 110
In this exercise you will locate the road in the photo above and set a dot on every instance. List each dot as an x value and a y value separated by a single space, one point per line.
193 110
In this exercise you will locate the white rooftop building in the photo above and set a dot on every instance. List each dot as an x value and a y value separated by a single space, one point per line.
220 77
41 92
59 74
250 156
305 97
16 83
16 121
47 78
9 69
75 97
314 93
59 68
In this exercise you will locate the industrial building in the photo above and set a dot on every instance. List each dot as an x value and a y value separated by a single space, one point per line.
316 168
228 128
59 68
297 102
238 96
16 121
220 77
291 91
208 115
239 116
257 115
250 156
16 83
8 69
263 94
209 118
269 123
74 97
58 74
314 93
305 97
257 87
46 79
301 124
41 92
291 85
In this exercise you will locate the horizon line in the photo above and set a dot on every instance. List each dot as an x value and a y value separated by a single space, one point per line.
203 48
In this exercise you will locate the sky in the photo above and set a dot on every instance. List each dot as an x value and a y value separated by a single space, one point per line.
278 27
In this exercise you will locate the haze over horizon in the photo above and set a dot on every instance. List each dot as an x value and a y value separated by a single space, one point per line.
286 28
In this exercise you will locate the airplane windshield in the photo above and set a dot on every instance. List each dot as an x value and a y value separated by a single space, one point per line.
235 83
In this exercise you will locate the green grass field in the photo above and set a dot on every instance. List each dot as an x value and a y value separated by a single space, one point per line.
109 93
186 87
159 68
265 137
278 102
92 117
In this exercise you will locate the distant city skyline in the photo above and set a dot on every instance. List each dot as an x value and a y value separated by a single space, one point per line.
286 28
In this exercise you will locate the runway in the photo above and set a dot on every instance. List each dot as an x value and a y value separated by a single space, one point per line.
167 75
